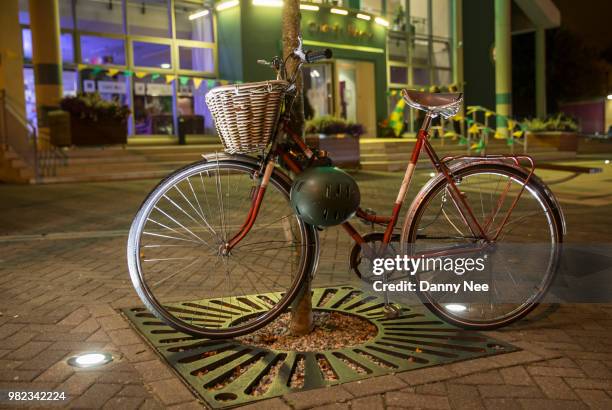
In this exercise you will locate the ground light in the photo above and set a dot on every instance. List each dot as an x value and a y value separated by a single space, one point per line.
609 96
455 307
92 359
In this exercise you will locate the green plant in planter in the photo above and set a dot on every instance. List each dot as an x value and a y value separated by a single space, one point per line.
93 107
328 124
557 122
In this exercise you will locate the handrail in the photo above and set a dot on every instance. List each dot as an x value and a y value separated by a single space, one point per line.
26 149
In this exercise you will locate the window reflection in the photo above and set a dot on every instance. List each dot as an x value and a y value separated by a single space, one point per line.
198 59
153 106
100 16
193 21
151 55
149 18
102 50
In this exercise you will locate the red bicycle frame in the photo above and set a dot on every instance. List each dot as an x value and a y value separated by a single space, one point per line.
479 230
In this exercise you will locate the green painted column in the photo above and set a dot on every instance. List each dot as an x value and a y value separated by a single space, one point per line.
46 55
540 72
503 61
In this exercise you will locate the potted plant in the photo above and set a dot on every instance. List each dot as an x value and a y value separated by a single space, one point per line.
95 121
337 136
558 131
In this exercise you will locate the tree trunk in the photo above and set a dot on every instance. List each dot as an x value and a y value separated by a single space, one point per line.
301 310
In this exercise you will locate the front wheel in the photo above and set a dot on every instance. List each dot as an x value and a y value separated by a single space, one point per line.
517 268
178 262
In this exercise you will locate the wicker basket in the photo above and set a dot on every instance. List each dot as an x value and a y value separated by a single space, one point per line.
246 114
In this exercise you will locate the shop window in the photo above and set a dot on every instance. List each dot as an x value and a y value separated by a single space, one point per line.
113 88
153 102
396 47
396 13
65 44
441 18
193 21
373 6
318 96
419 16
198 59
442 77
420 51
441 54
194 116
151 55
65 12
102 50
100 16
420 76
398 75
149 18
69 86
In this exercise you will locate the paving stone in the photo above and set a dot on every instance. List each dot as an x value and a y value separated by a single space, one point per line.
58 372
581 383
151 404
123 403
373 386
554 371
462 397
368 403
505 391
416 400
44 360
318 397
490 377
271 404
171 391
123 337
438 388
426 375
502 404
516 375
96 396
555 388
76 317
192 405
134 390
88 326
332 406
595 399
153 370
551 404
113 322
594 369
78 383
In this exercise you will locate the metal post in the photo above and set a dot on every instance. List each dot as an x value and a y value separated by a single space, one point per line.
503 64
540 72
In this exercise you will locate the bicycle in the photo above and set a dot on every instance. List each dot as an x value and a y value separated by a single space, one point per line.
205 233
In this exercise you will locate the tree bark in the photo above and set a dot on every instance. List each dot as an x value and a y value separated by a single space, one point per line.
301 310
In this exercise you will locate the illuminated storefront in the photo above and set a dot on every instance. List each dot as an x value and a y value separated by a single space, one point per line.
160 57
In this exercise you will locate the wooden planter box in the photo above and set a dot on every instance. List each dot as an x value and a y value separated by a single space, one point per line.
559 140
342 148
88 132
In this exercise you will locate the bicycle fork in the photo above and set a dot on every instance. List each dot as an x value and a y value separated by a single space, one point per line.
255 206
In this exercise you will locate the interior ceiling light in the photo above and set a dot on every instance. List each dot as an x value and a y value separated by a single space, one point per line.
198 14
268 3
381 21
93 359
339 11
310 7
164 65
366 17
227 5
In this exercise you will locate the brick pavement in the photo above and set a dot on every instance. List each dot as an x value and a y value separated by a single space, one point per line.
59 295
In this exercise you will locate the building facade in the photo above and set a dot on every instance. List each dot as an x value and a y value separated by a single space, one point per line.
160 57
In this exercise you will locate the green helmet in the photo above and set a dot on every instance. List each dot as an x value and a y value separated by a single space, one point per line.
324 196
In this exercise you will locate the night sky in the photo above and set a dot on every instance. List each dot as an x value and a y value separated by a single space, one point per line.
589 19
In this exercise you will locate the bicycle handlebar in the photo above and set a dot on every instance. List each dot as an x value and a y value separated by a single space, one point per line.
312 56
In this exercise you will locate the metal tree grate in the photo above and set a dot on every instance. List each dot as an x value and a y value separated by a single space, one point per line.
228 372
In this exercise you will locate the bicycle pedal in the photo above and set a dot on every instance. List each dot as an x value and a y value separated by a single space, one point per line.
392 311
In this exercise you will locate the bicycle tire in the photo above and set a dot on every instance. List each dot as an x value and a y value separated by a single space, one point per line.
279 181
418 207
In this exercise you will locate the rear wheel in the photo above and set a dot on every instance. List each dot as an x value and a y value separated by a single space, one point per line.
176 251
518 268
